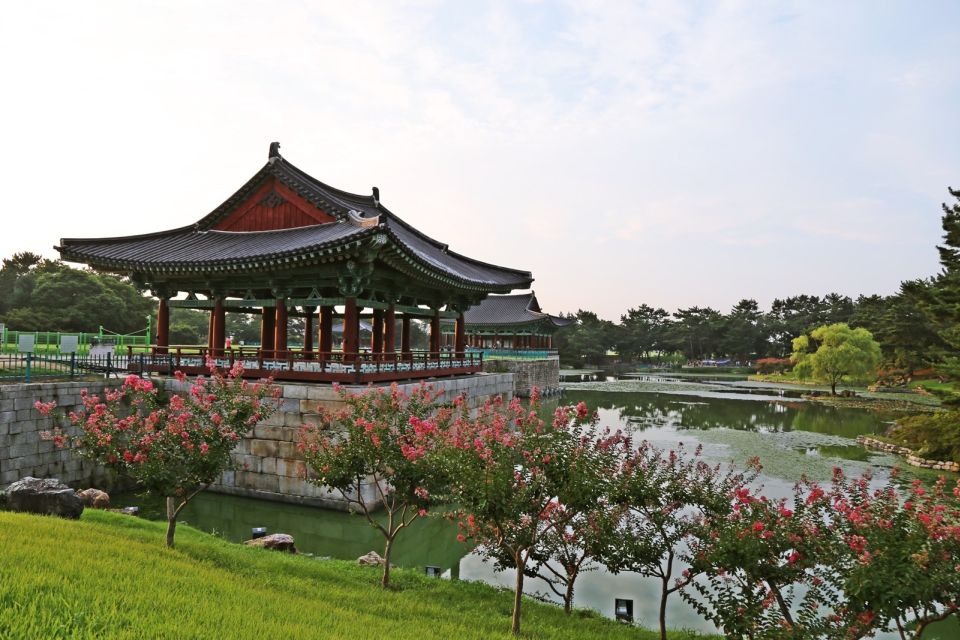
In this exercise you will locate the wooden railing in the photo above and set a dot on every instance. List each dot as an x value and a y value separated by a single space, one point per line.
316 366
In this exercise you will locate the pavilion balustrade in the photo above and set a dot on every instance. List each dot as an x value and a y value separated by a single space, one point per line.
317 366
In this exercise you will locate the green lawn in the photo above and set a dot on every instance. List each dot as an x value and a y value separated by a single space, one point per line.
109 576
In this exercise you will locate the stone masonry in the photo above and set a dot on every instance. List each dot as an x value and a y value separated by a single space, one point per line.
527 374
24 453
270 466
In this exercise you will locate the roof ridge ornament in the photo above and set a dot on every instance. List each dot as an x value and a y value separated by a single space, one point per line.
376 197
274 152
357 219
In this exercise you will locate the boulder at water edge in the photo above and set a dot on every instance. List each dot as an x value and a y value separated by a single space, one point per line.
94 498
372 559
46 496
275 541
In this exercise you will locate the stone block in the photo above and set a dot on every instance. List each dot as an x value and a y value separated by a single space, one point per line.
251 463
264 448
24 448
24 403
322 392
6 404
267 432
287 450
268 465
293 419
263 482
297 391
291 486
275 420
291 468
7 417
288 405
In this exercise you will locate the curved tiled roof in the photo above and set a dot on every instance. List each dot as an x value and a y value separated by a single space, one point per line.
522 308
200 245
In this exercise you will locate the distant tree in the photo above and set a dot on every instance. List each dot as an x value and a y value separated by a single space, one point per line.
698 331
742 333
589 339
643 331
939 297
840 352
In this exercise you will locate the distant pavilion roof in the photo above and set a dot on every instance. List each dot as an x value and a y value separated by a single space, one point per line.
511 310
288 226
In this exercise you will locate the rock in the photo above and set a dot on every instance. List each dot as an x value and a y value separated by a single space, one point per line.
372 559
94 498
46 496
275 541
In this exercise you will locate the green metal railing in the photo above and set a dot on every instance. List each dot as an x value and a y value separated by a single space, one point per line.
30 367
48 342
517 354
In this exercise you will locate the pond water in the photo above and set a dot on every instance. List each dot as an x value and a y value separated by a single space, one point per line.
732 420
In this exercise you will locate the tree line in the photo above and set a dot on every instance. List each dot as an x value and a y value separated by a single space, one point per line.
916 327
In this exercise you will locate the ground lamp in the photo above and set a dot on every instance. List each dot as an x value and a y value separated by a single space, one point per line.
623 610
258 532
432 571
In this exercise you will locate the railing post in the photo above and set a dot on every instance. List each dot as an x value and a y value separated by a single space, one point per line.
73 364
29 360
141 365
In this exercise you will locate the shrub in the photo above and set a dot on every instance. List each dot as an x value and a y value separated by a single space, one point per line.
933 435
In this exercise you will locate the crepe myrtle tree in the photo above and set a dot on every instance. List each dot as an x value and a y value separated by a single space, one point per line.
518 479
174 447
662 501
841 562
384 441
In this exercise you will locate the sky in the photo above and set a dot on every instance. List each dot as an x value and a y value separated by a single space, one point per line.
667 153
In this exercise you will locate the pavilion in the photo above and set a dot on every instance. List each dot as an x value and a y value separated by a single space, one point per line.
286 244
509 322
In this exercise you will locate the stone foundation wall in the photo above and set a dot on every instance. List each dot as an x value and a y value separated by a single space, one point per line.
24 453
527 374
912 459
271 467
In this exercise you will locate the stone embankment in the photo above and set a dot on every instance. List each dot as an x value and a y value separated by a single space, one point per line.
23 452
527 374
912 459
269 464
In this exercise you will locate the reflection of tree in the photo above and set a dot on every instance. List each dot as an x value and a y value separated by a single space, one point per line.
646 410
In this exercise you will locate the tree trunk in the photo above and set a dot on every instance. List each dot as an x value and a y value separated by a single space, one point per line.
171 520
518 593
568 596
664 593
833 388
387 550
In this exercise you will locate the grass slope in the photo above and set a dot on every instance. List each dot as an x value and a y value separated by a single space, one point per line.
109 576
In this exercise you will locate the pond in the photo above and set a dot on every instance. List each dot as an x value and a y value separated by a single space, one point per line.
732 420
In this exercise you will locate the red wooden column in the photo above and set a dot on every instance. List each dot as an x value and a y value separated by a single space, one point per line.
376 338
308 330
405 335
163 326
219 327
435 331
268 323
326 329
459 340
549 342
210 333
280 330
351 330
390 330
